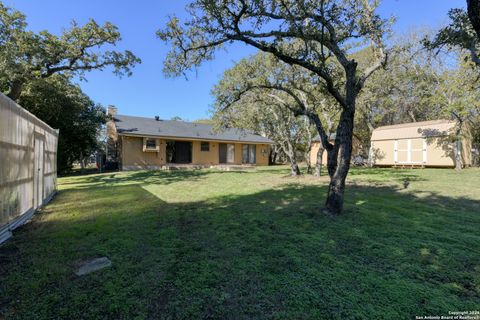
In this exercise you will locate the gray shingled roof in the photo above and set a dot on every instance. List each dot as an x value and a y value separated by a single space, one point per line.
179 129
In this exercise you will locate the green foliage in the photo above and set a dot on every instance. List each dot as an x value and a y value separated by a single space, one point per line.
417 85
36 70
269 97
306 34
458 34
326 28
248 245
205 121
27 56
65 107
402 92
458 92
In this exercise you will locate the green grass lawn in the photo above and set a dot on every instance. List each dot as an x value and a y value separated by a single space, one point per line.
240 245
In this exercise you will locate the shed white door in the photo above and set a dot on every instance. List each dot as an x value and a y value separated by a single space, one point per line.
410 151
38 171
416 151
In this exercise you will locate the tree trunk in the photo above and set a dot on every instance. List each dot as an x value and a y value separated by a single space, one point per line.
473 9
411 114
15 90
272 156
318 165
289 150
339 161
82 163
295 170
307 159
458 155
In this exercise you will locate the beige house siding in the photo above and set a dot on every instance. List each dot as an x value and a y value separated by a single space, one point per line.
134 158
262 154
313 154
356 147
204 157
238 153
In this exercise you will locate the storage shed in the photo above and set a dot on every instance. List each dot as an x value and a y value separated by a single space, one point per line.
427 143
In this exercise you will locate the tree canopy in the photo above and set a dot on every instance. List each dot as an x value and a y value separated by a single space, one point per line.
37 70
462 32
27 55
269 97
316 35
64 106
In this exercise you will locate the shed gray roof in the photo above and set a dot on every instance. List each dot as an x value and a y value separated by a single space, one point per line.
139 126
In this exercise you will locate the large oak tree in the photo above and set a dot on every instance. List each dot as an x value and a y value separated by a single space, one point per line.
27 56
308 34
268 96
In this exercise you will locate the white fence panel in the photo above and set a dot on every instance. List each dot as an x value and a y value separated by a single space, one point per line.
28 165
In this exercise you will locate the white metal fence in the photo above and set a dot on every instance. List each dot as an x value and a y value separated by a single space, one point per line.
28 165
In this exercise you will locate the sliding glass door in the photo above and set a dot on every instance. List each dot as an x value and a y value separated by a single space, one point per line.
226 153
249 153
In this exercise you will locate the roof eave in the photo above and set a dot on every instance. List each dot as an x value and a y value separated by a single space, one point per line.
191 138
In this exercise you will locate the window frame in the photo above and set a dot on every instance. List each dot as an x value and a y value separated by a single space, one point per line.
147 148
202 145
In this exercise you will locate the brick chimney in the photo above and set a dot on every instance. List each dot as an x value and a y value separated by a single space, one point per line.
112 110
112 136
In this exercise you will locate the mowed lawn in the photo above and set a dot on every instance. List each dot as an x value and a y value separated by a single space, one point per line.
241 245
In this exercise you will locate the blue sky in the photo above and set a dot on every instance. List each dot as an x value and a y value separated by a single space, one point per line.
148 92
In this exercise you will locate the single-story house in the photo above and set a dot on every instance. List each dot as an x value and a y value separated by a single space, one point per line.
427 143
152 143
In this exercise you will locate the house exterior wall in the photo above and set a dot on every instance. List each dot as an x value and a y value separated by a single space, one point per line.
313 154
356 149
134 158
262 153
204 157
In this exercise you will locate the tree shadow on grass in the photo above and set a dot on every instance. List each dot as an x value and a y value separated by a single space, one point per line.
269 254
387 173
162 177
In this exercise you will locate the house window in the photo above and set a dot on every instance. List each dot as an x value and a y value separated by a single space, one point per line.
249 153
205 146
151 144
